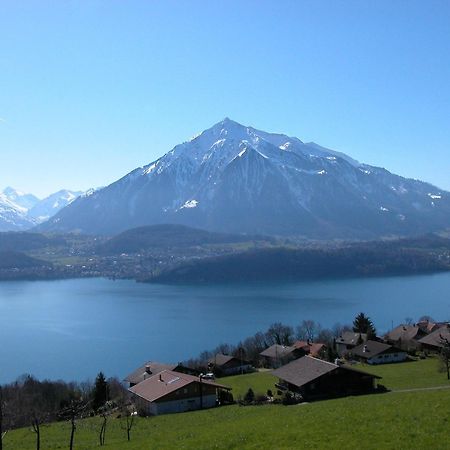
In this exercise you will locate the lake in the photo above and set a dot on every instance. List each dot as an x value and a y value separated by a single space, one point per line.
72 329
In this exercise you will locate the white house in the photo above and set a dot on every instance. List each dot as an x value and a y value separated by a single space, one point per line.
374 352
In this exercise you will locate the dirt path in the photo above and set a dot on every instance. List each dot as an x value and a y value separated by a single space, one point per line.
433 388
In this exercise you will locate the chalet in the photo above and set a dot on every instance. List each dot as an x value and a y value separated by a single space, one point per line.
435 341
172 392
406 337
277 355
428 326
316 349
314 378
348 340
229 365
151 368
374 352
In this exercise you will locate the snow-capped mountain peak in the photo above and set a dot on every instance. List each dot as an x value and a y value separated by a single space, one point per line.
236 178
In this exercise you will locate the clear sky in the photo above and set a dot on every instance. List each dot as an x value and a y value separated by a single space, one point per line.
89 90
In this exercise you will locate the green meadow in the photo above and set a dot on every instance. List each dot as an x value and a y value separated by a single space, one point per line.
419 419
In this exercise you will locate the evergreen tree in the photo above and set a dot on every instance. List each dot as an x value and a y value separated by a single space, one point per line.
363 324
249 396
100 393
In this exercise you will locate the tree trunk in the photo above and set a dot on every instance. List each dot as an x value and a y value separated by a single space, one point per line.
38 437
72 433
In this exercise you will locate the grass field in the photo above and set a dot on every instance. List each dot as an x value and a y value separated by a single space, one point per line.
394 420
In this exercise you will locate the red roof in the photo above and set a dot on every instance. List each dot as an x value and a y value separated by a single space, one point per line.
166 382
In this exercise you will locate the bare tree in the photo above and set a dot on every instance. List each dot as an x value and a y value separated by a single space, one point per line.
129 413
445 355
72 413
279 334
308 330
339 328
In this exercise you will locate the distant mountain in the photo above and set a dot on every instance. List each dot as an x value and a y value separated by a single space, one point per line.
12 216
167 237
236 179
20 211
52 204
26 201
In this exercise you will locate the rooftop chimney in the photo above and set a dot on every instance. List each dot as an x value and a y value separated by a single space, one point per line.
160 377
147 369
365 349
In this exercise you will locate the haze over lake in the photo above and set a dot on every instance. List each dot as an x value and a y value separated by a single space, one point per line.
72 329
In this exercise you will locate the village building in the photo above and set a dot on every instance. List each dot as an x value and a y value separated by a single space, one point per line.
435 341
229 365
151 368
316 349
406 337
374 352
348 340
277 355
314 378
173 392
428 326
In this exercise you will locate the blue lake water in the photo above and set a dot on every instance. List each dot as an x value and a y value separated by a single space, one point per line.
72 329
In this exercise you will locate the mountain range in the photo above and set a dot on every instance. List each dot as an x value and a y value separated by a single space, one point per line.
237 179
20 211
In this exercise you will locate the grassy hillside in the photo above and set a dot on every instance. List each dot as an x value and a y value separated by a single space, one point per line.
395 420
400 420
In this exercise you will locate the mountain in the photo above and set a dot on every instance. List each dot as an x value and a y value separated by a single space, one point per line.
12 216
50 205
237 179
20 211
19 198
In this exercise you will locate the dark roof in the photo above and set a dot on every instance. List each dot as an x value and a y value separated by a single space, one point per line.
278 351
405 333
303 370
220 360
435 338
166 382
306 369
373 348
351 338
140 374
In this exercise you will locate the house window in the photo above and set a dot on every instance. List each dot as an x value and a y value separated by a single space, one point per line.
185 390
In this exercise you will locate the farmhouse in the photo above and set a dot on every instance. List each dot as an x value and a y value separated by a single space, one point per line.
348 340
314 378
406 337
435 340
151 368
276 355
374 352
172 392
229 365
316 349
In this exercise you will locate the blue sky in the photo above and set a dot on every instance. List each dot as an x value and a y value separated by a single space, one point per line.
89 90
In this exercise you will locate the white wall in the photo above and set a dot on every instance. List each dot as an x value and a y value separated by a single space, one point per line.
388 358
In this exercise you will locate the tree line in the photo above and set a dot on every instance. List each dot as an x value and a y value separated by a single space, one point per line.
28 402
